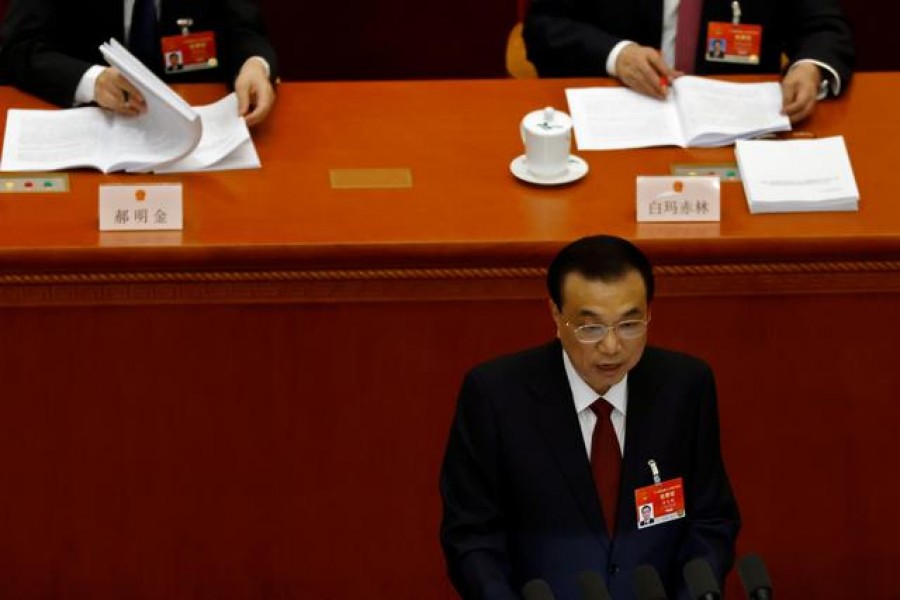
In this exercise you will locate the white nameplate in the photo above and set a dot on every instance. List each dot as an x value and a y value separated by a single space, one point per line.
684 199
154 206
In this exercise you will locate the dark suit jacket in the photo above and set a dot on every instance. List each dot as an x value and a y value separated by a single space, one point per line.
572 38
47 45
519 497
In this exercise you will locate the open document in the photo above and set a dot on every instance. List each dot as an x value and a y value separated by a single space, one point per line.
697 112
797 175
169 136
225 144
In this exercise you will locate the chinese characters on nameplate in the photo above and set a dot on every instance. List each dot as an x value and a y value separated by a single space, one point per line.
678 199
153 207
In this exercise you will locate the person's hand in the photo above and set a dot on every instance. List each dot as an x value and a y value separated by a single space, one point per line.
254 91
642 69
799 91
112 91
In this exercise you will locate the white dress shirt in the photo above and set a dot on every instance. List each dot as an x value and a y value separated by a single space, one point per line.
584 396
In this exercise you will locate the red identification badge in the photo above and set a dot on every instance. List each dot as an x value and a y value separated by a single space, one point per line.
189 52
731 43
659 503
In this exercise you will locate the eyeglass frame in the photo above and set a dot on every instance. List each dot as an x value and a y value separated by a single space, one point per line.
606 329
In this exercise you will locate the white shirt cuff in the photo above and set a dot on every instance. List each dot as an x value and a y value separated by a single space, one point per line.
84 93
614 56
830 79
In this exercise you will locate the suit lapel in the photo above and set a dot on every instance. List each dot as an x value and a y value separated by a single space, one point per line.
554 412
642 389
111 17
652 13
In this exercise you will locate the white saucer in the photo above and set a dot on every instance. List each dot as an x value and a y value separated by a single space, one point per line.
577 169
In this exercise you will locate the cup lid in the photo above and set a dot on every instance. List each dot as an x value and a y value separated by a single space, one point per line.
547 121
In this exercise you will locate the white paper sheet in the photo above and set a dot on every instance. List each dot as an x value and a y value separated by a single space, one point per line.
696 112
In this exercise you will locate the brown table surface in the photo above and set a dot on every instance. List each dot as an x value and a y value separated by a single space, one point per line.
458 138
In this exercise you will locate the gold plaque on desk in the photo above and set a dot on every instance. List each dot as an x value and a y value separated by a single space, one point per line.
372 179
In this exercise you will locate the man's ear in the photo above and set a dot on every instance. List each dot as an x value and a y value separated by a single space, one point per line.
557 316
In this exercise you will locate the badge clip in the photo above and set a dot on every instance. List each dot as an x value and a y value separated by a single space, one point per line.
185 25
654 471
736 12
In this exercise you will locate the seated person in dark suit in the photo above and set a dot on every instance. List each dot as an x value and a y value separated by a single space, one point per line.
535 483
50 48
636 42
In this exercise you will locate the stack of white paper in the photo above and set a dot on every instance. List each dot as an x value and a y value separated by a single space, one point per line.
170 136
797 175
696 112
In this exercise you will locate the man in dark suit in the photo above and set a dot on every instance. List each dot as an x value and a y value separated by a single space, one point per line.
525 459
635 42
50 48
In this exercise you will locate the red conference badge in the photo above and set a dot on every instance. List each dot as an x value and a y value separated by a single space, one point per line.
731 43
189 52
659 503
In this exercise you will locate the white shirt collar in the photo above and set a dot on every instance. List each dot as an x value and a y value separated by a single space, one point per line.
584 395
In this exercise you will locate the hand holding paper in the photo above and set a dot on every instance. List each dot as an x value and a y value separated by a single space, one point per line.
168 135
114 92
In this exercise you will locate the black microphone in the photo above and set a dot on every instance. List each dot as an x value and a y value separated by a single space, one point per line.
537 589
647 584
701 580
592 586
755 578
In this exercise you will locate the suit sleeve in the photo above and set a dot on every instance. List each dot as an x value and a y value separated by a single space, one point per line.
30 58
244 35
819 31
561 42
712 509
473 534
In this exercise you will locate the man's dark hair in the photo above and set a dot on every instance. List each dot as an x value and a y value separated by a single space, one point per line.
603 257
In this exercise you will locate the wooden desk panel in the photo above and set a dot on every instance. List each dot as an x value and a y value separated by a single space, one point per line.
257 406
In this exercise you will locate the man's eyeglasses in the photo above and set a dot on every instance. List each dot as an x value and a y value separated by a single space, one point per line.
592 333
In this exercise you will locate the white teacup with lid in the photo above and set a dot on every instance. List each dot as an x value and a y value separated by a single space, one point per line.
547 135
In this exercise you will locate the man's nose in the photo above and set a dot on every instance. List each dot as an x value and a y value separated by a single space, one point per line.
610 342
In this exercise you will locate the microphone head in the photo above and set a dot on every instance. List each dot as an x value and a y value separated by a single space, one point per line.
754 577
537 589
592 586
701 580
647 584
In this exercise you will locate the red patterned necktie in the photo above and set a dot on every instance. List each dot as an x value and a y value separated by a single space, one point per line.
686 34
606 462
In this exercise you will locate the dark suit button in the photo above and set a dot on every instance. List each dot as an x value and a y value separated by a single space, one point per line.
613 568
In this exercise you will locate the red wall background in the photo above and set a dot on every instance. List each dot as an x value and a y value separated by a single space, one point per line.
293 450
